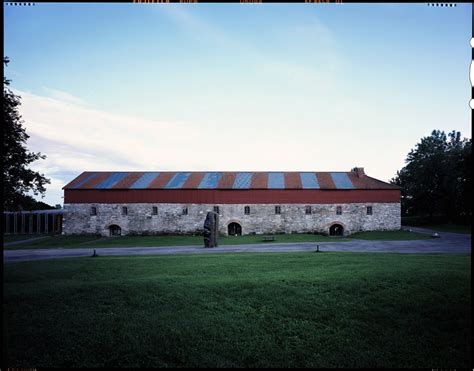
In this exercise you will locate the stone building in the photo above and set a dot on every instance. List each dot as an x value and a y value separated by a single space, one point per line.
333 203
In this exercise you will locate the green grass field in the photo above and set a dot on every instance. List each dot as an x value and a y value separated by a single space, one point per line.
149 241
20 237
240 310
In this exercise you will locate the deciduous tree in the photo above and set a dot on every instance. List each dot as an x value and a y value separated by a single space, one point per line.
18 179
437 177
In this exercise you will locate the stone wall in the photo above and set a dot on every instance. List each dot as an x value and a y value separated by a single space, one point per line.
261 220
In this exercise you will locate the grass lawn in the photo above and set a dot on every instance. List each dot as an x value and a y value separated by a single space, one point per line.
20 237
145 241
54 241
240 310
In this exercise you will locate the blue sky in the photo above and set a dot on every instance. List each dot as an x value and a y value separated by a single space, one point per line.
236 86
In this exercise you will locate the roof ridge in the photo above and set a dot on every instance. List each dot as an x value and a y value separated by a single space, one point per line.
381 181
324 180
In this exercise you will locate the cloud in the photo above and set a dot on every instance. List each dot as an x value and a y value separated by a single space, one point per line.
200 29
63 96
77 138
82 135
320 65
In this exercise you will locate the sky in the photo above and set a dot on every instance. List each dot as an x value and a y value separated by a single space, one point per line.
235 87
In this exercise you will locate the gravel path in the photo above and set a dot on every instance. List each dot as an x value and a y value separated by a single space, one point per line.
447 243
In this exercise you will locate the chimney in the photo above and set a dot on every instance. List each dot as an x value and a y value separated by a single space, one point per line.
359 172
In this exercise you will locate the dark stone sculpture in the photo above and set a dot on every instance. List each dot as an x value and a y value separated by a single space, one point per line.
211 229
207 230
215 230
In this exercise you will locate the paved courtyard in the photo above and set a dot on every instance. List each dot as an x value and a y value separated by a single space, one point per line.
447 243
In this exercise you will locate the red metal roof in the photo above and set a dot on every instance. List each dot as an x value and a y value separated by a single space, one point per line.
128 181
193 181
292 181
259 181
325 181
93 182
160 181
226 180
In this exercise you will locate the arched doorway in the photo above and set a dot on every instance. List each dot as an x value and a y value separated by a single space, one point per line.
234 229
115 230
336 230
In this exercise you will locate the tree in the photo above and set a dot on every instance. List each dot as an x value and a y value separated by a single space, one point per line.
437 178
18 179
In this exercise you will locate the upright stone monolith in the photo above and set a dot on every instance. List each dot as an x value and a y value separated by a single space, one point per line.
211 229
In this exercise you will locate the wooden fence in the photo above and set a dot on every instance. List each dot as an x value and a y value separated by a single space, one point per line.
33 222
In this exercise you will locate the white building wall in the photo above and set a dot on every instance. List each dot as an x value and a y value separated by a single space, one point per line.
262 218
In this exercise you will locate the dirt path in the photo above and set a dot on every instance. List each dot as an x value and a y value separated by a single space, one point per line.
447 243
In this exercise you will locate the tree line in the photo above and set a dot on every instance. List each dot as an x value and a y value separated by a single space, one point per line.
18 179
437 179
